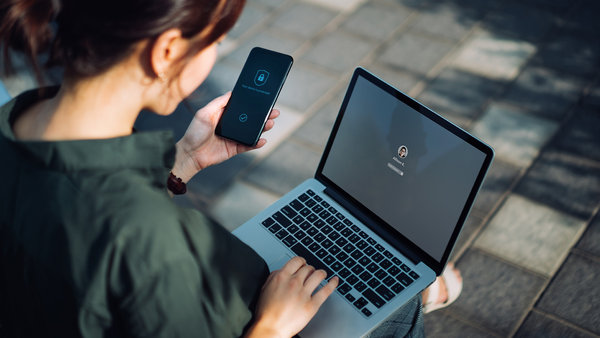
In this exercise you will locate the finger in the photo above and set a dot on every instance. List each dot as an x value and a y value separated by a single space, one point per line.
269 125
260 143
304 272
274 114
319 298
293 265
315 279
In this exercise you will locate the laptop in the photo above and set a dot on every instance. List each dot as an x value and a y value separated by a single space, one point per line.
391 193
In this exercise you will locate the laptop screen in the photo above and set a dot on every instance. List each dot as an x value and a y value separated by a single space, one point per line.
402 166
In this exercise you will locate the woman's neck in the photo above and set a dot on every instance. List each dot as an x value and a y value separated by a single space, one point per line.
103 106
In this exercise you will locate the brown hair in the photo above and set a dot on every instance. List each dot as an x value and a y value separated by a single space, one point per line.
87 37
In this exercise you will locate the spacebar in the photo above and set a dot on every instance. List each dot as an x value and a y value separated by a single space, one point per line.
311 259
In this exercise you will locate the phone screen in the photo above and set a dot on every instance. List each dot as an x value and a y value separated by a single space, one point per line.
254 95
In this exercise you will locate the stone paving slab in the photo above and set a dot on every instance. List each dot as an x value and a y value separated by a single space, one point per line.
252 16
544 92
495 295
375 20
339 5
460 93
401 80
515 137
317 129
415 53
591 237
498 180
530 235
439 324
303 19
538 325
267 39
245 200
304 86
571 53
473 224
289 165
492 56
339 51
574 294
447 21
521 21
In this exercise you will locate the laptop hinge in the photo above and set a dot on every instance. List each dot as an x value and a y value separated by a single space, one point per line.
373 225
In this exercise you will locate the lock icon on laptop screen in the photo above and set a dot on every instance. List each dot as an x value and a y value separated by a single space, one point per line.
261 77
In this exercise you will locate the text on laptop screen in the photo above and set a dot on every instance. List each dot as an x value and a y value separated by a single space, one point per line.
405 168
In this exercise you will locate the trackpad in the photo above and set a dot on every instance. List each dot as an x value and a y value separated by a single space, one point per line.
279 262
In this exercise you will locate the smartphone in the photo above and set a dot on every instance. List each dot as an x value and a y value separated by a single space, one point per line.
254 95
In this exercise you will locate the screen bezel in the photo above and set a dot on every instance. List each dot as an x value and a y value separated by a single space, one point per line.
377 224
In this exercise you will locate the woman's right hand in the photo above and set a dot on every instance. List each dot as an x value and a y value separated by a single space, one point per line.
287 302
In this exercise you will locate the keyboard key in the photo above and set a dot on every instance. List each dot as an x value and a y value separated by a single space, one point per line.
405 267
319 237
314 247
290 241
312 231
357 269
394 270
305 212
319 223
346 232
397 288
341 241
325 204
373 298
338 226
328 259
360 286
305 225
381 274
357 254
289 212
337 266
318 198
310 192
334 249
293 228
353 238
366 312
281 219
344 288
379 247
385 293
360 303
274 228
374 283
344 273
396 261
342 256
297 205
268 222
349 248
361 244
352 279
298 219
340 216
312 218
332 210
327 229
404 279
321 253
369 250
355 228
310 258
350 297
324 214
300 234
310 203
363 234
326 243
389 281
282 234
372 267
317 208
331 220
377 257
386 263
334 235
307 241
364 261
414 275
348 222
365 276
349 263
388 254
371 241
303 197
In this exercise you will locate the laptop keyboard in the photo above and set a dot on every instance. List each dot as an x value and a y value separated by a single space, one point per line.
370 276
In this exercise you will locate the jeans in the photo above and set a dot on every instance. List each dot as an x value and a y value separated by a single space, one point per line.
407 321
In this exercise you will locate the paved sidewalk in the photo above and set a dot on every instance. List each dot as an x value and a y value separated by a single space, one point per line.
523 76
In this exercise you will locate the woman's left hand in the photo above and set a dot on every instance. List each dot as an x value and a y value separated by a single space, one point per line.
200 147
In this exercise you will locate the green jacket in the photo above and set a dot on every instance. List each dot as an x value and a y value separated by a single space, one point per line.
92 245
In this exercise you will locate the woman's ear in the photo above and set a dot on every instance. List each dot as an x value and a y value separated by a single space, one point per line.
166 50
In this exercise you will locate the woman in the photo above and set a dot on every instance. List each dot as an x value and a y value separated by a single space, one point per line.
91 244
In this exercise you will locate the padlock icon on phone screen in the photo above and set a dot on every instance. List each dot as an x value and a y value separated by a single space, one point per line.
261 77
